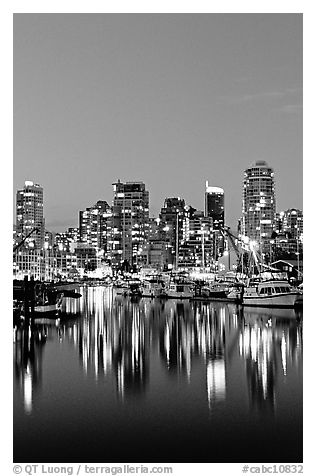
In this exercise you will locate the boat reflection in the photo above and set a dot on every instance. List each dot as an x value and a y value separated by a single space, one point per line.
270 341
28 348
215 344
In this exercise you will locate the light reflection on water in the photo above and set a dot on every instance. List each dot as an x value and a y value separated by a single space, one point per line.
218 358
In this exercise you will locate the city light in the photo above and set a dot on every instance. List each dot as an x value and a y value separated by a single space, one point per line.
180 237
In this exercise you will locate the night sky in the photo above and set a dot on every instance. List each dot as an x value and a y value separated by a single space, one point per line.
170 99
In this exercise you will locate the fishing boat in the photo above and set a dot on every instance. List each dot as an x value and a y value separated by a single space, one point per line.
271 293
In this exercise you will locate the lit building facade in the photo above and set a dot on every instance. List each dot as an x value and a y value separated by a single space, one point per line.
196 250
158 252
288 236
66 241
214 205
30 214
48 240
290 222
215 209
93 224
128 230
258 210
172 217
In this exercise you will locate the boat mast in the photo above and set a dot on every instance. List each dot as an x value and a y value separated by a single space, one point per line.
298 256
177 239
203 250
124 229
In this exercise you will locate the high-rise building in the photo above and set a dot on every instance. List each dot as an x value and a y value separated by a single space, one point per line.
196 250
30 214
129 222
258 210
48 240
157 252
93 225
215 209
214 205
66 241
288 236
172 216
290 222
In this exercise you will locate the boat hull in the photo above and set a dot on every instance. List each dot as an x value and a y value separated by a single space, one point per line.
279 300
120 291
179 295
49 309
236 300
153 293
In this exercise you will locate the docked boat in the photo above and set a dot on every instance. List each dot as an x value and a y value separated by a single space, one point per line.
299 300
135 288
121 287
49 304
271 293
222 291
63 286
180 290
153 288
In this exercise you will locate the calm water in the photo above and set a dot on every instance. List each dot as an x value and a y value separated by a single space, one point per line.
159 381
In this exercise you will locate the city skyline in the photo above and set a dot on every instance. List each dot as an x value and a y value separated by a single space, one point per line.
171 100
111 201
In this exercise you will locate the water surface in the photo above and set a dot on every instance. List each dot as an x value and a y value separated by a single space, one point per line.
158 381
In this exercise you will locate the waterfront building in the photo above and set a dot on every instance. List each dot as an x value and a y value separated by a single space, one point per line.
93 225
88 257
65 265
157 252
66 241
292 268
53 264
30 214
73 234
196 250
258 209
48 239
173 216
215 209
290 222
214 205
128 232
283 245
15 237
287 239
28 262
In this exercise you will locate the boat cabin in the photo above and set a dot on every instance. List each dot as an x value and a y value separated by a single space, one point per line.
266 288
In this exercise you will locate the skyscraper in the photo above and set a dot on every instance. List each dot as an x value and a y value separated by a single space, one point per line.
172 218
30 214
93 224
258 210
196 250
215 209
130 218
288 236
214 205
291 222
